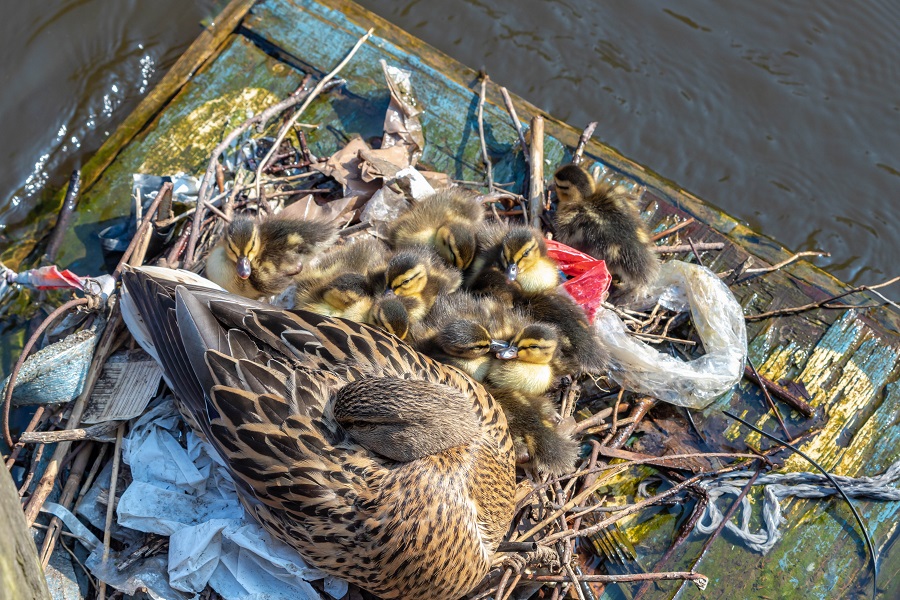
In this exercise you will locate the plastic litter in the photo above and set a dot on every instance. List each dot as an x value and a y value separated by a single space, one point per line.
590 280
719 321
180 491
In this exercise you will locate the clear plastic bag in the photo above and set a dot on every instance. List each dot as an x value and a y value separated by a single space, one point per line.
719 321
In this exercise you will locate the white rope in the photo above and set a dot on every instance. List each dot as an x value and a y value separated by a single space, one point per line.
782 485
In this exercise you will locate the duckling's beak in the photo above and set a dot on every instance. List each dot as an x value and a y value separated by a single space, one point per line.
509 353
243 267
512 271
499 345
390 293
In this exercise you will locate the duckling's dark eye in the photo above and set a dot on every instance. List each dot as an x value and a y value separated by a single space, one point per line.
526 253
405 281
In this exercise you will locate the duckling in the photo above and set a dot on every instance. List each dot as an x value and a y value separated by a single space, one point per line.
600 221
518 253
467 331
390 313
419 274
531 363
445 221
342 282
534 426
377 464
258 259
349 296
578 345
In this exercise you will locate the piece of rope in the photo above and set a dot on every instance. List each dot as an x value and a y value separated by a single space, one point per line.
779 486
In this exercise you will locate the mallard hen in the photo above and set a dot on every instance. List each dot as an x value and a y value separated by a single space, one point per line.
377 464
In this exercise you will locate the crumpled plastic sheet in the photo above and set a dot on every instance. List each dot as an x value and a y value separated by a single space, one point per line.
182 492
719 321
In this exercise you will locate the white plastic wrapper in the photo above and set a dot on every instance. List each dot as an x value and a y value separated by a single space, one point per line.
719 321
183 493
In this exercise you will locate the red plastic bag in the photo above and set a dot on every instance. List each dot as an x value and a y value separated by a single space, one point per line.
590 280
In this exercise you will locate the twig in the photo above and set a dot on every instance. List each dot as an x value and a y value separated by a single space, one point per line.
503 581
204 192
143 230
64 218
36 419
826 303
769 400
95 468
696 252
485 159
288 126
66 499
627 578
786 262
677 227
575 581
687 247
111 504
585 136
11 384
515 121
661 338
536 177
94 432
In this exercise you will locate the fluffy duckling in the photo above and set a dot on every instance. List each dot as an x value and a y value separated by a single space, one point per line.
534 426
258 259
531 363
578 344
377 464
419 274
523 256
519 254
467 331
349 296
390 313
600 221
342 282
445 221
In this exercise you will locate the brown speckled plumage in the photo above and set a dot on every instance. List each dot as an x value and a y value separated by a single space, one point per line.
306 409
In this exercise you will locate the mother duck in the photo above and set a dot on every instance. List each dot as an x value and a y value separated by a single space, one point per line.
376 463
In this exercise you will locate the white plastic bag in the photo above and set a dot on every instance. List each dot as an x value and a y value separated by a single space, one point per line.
719 321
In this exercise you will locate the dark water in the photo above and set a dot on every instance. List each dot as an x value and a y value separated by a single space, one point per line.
784 114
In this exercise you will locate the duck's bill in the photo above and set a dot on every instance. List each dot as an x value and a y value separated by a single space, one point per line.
512 271
390 293
499 345
508 354
243 267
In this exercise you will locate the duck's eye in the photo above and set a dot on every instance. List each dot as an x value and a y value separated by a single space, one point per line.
406 281
526 253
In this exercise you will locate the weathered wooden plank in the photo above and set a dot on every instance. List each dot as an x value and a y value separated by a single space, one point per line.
180 139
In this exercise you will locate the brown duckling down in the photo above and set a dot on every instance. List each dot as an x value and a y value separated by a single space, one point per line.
534 425
419 274
258 259
446 221
602 221
467 331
